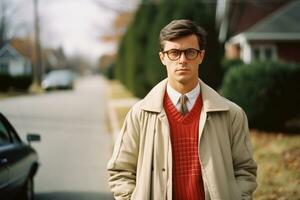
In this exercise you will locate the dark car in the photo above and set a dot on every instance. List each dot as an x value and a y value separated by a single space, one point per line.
18 163
59 79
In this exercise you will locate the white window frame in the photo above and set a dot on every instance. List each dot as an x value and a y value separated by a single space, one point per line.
262 48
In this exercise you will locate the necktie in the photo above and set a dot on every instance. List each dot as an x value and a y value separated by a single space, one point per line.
183 107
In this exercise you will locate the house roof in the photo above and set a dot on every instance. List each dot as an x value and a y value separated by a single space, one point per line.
283 24
8 52
24 47
236 16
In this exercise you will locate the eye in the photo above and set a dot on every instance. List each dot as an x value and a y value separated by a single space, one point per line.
174 53
190 53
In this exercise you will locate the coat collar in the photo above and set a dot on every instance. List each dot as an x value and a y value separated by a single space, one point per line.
212 101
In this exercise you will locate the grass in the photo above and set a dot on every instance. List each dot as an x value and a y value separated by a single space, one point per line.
277 156
278 159
4 95
121 114
118 91
11 92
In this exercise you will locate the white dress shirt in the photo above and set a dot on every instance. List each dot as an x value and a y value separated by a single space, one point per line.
192 96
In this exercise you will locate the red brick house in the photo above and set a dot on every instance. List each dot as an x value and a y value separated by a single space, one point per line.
260 30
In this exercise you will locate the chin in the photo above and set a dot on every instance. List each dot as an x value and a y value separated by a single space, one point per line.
185 79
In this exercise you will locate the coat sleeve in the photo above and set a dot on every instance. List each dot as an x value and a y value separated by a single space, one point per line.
243 162
122 165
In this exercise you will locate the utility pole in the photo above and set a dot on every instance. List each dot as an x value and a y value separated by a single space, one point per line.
2 24
38 65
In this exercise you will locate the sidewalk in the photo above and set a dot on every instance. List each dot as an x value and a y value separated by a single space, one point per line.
120 100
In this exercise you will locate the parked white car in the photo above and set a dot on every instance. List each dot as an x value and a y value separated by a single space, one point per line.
59 79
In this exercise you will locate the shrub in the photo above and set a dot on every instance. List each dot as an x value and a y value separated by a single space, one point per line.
109 71
4 82
230 63
21 82
267 91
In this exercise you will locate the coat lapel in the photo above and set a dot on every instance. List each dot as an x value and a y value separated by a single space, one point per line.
212 101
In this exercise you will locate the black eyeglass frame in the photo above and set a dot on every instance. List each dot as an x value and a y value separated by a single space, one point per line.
184 51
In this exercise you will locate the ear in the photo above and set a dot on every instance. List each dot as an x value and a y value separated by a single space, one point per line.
201 56
162 58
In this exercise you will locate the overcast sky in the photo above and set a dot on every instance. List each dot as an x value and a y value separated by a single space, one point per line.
76 25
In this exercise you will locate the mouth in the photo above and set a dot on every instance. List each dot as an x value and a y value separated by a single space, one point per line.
182 70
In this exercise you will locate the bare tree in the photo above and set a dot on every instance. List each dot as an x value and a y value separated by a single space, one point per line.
116 6
10 21
123 11
3 22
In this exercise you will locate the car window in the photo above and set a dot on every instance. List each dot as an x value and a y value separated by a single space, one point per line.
4 135
14 137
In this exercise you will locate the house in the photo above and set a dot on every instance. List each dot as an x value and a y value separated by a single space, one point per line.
13 63
54 59
260 30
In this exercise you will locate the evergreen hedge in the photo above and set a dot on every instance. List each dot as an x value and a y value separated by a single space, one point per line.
229 63
20 82
109 71
138 65
267 91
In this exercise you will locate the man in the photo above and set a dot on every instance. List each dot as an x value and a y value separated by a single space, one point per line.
183 141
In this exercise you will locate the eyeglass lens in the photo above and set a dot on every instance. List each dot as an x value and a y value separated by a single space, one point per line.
174 54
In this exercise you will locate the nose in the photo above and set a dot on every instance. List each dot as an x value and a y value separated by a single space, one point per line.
182 57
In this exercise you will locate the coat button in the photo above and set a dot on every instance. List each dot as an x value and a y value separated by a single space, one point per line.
163 169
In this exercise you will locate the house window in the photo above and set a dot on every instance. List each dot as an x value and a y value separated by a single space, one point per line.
264 52
269 54
17 67
256 53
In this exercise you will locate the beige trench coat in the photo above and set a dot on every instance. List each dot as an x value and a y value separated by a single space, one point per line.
141 164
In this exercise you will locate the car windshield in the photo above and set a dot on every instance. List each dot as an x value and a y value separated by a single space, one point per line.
60 74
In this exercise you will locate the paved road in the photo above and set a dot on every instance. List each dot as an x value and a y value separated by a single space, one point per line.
75 144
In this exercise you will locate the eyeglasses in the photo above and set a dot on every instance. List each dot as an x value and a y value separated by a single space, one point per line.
175 54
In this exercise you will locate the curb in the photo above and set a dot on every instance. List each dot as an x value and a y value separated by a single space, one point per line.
115 124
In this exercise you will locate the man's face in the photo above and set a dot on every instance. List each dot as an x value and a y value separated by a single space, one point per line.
182 70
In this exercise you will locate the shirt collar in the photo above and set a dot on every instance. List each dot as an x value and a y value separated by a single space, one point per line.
212 101
174 95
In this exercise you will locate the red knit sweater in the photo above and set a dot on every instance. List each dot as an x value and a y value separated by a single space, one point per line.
187 177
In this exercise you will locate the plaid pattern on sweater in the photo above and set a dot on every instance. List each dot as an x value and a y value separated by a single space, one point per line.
187 177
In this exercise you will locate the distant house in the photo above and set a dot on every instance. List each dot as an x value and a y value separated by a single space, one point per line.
260 30
13 62
54 59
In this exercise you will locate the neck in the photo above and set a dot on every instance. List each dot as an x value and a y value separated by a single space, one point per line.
183 88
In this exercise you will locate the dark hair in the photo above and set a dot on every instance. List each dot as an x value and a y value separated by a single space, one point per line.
181 28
